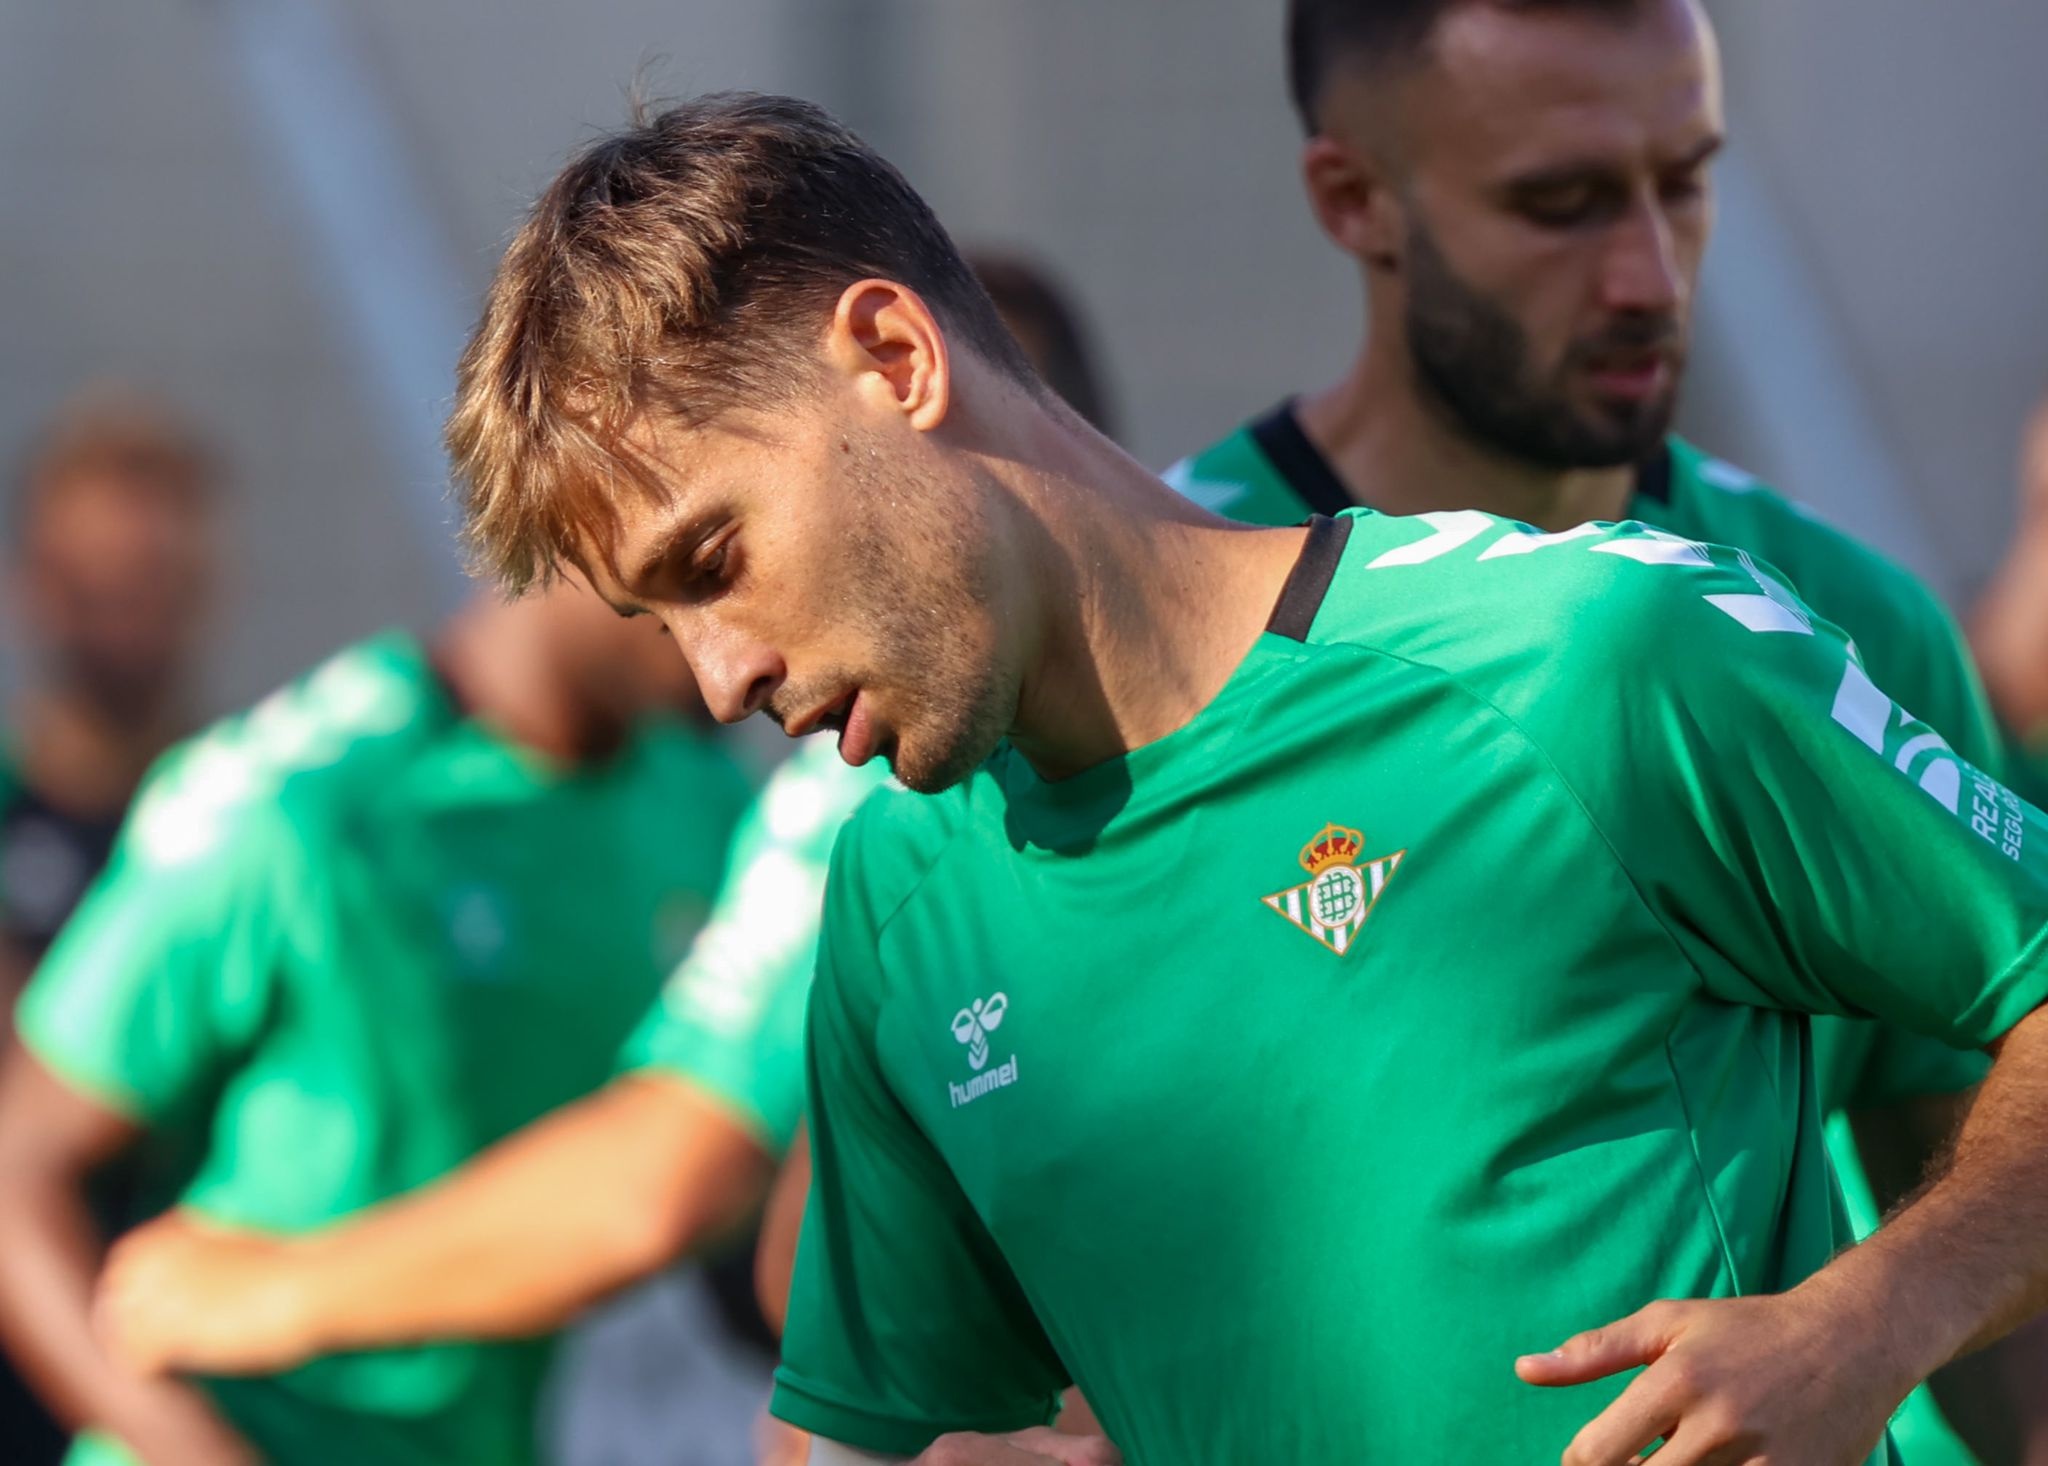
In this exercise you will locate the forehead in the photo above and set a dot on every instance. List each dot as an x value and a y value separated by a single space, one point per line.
1504 89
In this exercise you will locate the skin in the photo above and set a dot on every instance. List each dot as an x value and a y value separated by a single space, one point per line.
2009 625
1529 204
571 678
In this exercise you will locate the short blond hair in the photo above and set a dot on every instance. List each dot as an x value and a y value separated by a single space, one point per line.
678 268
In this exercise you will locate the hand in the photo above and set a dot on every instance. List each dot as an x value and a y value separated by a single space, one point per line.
179 1294
1783 1380
1036 1447
166 1424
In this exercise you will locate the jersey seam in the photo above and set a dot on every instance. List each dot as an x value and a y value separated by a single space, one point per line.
1621 866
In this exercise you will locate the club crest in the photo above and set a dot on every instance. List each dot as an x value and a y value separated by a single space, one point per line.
1333 903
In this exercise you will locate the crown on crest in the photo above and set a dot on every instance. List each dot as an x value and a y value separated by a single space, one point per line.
1336 845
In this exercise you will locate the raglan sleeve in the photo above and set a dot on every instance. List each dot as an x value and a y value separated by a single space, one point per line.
905 1322
164 975
1806 840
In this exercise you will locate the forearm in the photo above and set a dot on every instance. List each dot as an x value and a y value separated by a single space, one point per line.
581 1203
1966 1262
50 1251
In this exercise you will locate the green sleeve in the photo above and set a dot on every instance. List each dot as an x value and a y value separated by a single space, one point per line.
164 976
905 1322
730 1019
1929 669
1805 841
1865 1065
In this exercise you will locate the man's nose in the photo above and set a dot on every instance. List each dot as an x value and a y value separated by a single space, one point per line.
737 674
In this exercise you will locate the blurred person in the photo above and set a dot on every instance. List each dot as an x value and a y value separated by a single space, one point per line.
1100 1087
112 567
347 940
716 1068
2009 624
1527 191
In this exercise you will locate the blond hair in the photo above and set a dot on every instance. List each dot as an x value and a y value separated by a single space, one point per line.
678 268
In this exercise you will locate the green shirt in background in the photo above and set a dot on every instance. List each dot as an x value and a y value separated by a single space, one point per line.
731 1019
347 940
1434 994
1270 472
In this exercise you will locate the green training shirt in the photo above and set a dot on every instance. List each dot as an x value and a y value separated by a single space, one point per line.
347 940
1270 472
731 1019
1431 996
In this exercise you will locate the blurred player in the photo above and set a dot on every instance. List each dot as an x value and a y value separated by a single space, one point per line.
348 939
112 571
1110 1075
2009 626
715 1071
1526 189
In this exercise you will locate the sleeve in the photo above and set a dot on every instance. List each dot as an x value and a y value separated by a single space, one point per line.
905 1322
163 977
730 1019
1865 1065
1805 840
1928 668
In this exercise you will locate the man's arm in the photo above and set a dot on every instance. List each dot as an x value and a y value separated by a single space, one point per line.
52 1139
580 1203
781 1223
1813 1374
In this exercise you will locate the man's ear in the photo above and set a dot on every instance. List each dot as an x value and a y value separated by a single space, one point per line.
890 345
1353 200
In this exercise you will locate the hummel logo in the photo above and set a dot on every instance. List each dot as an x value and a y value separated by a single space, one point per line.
972 1026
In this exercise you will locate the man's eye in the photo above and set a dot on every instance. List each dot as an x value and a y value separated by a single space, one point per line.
1561 208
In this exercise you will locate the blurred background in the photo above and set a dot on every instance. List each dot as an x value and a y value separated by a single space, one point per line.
280 214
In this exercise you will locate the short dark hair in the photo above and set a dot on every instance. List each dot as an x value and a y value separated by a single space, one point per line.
678 267
1322 34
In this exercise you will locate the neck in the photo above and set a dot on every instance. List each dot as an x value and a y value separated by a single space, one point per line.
508 671
85 758
1399 456
1145 604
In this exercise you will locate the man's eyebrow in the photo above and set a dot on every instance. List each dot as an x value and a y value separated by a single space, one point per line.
685 533
1596 170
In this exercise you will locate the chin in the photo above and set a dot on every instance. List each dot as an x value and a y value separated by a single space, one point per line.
934 764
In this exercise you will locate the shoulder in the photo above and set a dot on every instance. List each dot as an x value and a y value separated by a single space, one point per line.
898 840
1225 477
1519 617
291 764
1870 596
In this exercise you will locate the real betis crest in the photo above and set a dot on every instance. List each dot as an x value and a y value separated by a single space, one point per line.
1333 903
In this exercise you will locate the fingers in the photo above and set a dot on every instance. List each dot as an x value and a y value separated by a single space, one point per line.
1644 1413
1035 1447
1069 1450
1636 1340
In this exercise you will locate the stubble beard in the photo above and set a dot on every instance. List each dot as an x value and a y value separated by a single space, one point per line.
924 562
1471 362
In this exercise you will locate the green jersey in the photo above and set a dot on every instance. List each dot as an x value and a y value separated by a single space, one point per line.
1270 472
731 1019
1432 995
346 941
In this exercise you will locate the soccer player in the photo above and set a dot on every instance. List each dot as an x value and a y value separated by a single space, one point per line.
112 567
1526 190
347 940
1321 964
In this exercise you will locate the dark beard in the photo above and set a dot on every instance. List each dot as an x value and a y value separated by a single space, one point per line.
1472 361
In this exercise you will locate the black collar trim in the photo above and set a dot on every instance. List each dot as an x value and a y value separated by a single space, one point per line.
1296 459
1653 476
1308 583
